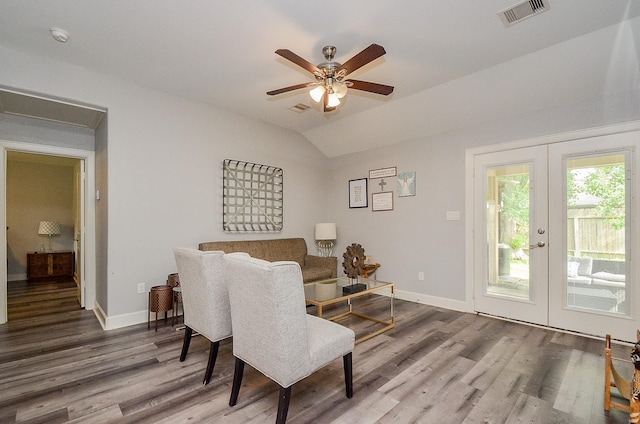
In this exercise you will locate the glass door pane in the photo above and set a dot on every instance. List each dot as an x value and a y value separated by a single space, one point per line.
593 231
596 242
508 197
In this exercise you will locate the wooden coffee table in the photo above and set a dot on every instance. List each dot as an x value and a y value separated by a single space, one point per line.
329 292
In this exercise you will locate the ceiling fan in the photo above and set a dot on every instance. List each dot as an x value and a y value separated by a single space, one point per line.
331 85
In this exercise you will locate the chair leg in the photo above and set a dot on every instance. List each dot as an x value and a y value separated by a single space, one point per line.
607 374
213 354
188 332
149 311
237 381
283 405
348 374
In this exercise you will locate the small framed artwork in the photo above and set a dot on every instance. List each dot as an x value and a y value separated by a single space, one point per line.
382 201
382 173
406 184
358 197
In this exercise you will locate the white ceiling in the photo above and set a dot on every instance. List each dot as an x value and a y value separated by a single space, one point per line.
222 53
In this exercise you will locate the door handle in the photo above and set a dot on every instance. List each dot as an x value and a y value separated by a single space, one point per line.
539 244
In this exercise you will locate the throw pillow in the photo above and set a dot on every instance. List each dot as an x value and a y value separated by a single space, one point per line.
572 269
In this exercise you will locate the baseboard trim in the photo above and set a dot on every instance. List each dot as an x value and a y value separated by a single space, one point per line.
139 317
16 277
125 320
440 302
99 313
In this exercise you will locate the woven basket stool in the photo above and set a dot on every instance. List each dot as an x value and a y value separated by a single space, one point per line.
160 300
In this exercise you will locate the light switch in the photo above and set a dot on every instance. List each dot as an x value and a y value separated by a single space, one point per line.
453 215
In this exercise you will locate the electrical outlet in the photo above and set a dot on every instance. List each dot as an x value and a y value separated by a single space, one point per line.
141 288
421 276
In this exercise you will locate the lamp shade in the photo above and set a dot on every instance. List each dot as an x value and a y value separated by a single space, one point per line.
326 231
333 100
49 227
317 93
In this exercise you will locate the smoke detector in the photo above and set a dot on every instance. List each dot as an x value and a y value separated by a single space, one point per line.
522 10
59 35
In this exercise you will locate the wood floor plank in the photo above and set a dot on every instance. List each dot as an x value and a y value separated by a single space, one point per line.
529 409
492 364
436 366
371 410
580 372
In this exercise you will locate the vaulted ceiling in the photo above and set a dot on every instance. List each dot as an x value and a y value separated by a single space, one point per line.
452 63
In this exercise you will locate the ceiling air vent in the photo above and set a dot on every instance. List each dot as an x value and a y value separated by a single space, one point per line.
300 107
522 10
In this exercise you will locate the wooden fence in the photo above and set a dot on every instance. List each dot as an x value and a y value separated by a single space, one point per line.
593 236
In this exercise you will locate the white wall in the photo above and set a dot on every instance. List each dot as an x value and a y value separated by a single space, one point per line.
416 236
165 153
37 192
540 94
164 173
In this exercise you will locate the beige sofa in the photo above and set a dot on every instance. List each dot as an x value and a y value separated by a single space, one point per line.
314 268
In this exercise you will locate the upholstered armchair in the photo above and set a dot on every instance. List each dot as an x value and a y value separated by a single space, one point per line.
205 300
272 331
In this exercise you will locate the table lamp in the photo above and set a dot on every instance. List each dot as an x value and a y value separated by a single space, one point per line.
325 234
49 228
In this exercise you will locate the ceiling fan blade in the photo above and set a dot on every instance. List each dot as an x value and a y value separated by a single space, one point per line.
290 88
367 55
371 87
291 56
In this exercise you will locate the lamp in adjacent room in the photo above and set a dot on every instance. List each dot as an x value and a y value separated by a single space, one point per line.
49 228
325 235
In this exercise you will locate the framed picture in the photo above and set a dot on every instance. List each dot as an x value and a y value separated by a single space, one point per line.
382 173
382 201
358 197
406 184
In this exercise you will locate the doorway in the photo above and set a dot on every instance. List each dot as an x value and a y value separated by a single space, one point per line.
83 232
43 191
554 232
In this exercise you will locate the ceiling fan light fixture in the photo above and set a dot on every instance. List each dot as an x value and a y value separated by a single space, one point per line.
317 93
340 88
333 100
330 84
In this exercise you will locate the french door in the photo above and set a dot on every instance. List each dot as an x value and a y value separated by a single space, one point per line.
511 234
555 228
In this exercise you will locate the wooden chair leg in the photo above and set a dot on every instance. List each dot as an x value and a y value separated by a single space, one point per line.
149 311
213 354
283 404
348 374
237 381
188 332
613 379
607 373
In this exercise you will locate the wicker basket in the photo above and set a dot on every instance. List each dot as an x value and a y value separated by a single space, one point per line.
160 300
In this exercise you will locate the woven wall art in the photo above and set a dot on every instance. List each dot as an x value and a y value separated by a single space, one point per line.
252 197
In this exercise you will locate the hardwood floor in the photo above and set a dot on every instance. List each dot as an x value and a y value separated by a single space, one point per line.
28 299
436 366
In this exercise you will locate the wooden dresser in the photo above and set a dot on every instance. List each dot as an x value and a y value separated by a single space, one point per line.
49 265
